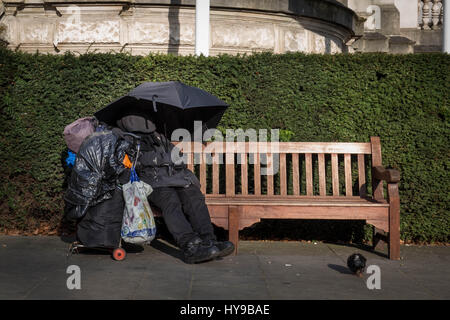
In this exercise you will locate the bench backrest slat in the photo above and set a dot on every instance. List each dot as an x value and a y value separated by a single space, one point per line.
269 176
215 174
283 178
348 174
335 174
229 172
244 174
257 173
322 176
295 174
302 168
190 161
362 176
203 173
309 177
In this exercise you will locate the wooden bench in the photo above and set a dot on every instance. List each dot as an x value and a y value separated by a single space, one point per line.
300 189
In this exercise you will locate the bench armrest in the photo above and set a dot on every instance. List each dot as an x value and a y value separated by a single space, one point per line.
388 175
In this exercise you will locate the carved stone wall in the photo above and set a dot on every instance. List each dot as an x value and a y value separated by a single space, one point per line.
140 27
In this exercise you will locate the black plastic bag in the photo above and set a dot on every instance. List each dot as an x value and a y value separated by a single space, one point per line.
94 176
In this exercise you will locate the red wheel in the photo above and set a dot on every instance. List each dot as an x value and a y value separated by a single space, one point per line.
119 254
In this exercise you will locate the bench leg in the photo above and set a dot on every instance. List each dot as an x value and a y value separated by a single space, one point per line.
233 226
394 222
379 238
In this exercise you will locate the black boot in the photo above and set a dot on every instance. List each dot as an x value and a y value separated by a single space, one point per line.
197 251
225 247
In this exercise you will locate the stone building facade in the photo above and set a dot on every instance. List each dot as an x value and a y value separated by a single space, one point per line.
236 26
399 26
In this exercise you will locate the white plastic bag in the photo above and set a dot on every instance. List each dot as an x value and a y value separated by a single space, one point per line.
138 225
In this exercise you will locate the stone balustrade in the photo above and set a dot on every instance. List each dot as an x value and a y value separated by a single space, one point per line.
430 15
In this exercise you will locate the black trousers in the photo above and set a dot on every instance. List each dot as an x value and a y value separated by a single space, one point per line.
185 213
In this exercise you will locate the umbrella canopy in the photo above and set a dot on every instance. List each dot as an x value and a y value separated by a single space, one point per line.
170 105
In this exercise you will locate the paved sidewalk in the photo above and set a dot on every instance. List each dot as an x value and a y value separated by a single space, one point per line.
35 268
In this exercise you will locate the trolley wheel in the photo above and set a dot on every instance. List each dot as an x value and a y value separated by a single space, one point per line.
119 254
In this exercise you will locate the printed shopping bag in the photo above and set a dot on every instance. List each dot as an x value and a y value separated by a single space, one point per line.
138 224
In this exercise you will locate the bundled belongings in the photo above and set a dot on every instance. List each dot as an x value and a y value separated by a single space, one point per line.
154 110
70 160
103 199
77 131
94 197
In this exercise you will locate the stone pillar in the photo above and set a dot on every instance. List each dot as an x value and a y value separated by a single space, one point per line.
390 19
202 27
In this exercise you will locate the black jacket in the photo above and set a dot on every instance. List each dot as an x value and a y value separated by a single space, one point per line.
156 167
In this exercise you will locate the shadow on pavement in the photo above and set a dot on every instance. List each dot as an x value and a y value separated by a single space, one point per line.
362 247
165 248
340 269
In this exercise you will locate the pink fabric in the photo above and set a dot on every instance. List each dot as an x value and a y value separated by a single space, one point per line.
77 131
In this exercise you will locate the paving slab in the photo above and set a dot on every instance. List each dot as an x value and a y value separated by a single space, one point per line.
36 268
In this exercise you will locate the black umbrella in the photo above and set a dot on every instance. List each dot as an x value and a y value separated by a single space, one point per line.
170 105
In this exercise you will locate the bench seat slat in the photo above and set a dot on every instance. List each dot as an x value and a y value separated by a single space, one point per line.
261 202
290 197
307 201
314 212
301 204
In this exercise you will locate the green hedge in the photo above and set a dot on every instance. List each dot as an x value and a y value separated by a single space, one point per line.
404 99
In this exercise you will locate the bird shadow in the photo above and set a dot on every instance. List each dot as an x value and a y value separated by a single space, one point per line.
340 269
